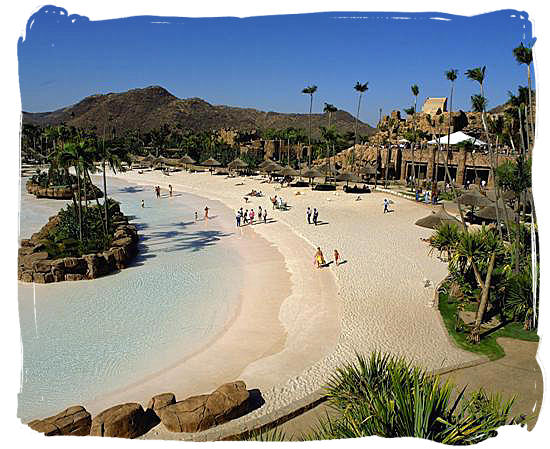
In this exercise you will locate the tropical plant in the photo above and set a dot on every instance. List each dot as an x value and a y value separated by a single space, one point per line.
309 90
389 397
524 55
479 103
361 89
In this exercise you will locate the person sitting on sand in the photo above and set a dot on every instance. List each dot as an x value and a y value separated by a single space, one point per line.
319 259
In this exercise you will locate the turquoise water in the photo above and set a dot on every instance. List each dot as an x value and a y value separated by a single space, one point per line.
82 339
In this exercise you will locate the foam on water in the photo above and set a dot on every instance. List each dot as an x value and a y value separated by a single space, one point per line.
82 339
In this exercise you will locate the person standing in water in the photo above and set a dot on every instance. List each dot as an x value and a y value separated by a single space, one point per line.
170 187
206 213
142 203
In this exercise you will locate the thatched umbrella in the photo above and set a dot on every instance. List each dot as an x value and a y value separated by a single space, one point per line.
149 159
287 171
436 219
311 173
211 163
160 160
506 195
348 177
237 164
186 159
490 212
272 167
474 199
265 164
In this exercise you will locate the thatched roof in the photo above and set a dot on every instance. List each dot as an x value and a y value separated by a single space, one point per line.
287 171
211 162
474 198
186 159
237 163
311 173
436 219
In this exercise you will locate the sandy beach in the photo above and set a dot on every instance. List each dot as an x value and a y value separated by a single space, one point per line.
382 298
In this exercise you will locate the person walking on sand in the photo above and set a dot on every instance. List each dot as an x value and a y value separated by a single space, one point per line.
206 213
386 204
315 216
245 216
308 213
251 216
259 212
238 218
319 259
265 216
170 187
336 257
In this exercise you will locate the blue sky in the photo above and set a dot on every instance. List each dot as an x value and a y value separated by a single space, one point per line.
264 62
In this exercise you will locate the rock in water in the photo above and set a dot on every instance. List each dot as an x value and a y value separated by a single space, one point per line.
121 421
71 421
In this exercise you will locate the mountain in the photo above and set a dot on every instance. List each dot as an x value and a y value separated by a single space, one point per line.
154 106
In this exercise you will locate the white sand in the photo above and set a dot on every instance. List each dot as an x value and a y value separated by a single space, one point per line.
381 303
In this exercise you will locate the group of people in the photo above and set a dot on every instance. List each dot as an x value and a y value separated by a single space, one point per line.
310 215
247 216
319 260
157 190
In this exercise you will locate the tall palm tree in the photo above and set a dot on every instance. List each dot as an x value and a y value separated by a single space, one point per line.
478 74
329 109
361 89
524 55
309 90
415 91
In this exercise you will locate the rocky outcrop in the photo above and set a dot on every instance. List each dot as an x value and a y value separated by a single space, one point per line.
35 264
199 413
121 421
60 192
71 421
160 401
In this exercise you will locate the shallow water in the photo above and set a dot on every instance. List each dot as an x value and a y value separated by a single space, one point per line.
82 339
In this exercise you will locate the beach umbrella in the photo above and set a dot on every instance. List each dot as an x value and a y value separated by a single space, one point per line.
265 163
474 199
149 159
211 163
436 219
237 164
273 167
186 160
368 170
287 171
312 173
348 177
506 195
490 212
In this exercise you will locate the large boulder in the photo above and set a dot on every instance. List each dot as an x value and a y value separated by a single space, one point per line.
121 421
29 260
161 400
97 265
75 265
71 421
199 413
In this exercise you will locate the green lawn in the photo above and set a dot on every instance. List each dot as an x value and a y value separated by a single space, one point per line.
488 345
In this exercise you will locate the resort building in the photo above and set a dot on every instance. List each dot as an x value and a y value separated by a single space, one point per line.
434 106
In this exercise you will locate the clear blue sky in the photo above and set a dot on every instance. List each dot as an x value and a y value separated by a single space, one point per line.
264 62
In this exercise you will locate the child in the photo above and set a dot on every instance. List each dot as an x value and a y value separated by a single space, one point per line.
336 257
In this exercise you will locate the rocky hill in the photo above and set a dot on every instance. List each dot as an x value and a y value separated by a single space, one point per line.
154 106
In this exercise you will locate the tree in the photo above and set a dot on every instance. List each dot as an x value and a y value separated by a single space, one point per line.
361 89
479 103
329 108
310 90
415 91
524 55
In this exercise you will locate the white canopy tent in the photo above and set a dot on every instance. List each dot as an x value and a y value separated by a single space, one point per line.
456 138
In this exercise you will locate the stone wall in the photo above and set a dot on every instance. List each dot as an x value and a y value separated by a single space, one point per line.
35 264
59 193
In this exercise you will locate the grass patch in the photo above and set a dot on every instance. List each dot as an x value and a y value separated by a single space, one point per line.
488 345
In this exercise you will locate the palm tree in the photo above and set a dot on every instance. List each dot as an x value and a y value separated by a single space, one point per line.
479 103
361 89
415 91
524 55
310 90
329 108
478 74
